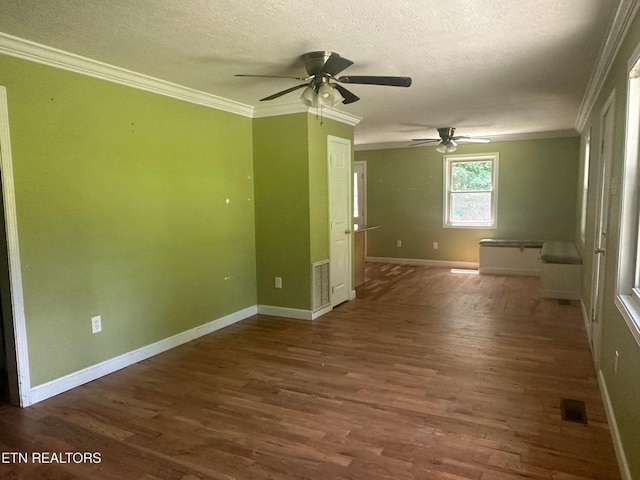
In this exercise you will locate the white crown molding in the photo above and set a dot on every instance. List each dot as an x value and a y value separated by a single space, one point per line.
35 52
339 116
493 138
276 109
625 14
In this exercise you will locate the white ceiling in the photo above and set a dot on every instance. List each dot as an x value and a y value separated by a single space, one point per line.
487 67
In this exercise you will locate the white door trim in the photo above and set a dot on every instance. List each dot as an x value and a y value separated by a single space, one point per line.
605 153
18 364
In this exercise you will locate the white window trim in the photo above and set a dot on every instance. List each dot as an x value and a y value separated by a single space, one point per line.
447 161
628 272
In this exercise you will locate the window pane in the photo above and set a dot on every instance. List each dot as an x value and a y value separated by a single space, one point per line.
470 207
472 176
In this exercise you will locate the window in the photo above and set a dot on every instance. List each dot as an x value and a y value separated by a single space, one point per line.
628 287
471 191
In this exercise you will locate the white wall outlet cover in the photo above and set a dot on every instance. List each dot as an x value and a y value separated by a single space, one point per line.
96 324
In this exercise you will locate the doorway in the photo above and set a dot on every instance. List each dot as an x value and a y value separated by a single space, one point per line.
14 333
340 219
607 119
4 271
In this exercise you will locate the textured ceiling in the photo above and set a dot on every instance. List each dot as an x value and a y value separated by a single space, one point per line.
487 67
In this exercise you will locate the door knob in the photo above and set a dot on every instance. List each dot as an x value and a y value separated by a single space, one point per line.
599 251
347 231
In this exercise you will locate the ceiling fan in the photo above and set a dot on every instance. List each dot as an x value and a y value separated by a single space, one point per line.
447 141
322 86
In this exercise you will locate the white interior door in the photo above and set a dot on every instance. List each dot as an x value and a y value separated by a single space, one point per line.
339 150
602 222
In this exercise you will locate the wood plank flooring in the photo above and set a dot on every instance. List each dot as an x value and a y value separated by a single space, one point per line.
426 375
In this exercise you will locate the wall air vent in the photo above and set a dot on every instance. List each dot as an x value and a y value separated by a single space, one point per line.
320 295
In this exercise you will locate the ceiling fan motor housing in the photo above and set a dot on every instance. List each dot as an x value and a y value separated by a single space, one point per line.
446 133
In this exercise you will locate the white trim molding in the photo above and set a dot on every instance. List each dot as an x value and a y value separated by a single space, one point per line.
275 109
19 333
296 313
623 464
35 52
494 138
425 263
625 14
75 379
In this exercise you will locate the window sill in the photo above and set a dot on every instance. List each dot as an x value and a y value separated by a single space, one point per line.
476 226
630 311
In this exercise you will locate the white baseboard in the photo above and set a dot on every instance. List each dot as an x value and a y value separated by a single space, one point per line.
321 312
587 321
509 271
75 379
296 313
423 262
613 428
285 312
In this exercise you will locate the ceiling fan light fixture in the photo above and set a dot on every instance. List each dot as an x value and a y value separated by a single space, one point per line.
447 147
309 96
328 96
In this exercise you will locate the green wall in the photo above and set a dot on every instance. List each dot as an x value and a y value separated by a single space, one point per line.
623 387
292 203
536 198
281 169
122 208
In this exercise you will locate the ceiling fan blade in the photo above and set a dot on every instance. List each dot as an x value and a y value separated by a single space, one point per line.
349 97
425 140
272 76
335 64
284 92
376 80
470 140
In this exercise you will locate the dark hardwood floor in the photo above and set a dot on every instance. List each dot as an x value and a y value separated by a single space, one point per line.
426 375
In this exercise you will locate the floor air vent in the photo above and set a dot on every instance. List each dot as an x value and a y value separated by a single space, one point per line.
320 285
573 411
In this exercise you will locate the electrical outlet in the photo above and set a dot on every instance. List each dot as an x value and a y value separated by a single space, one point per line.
96 324
398 243
435 245
615 364
278 282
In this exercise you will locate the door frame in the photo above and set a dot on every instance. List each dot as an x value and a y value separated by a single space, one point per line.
600 235
15 329
348 144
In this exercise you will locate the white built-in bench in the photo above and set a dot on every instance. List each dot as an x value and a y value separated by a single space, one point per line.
509 257
561 271
557 263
